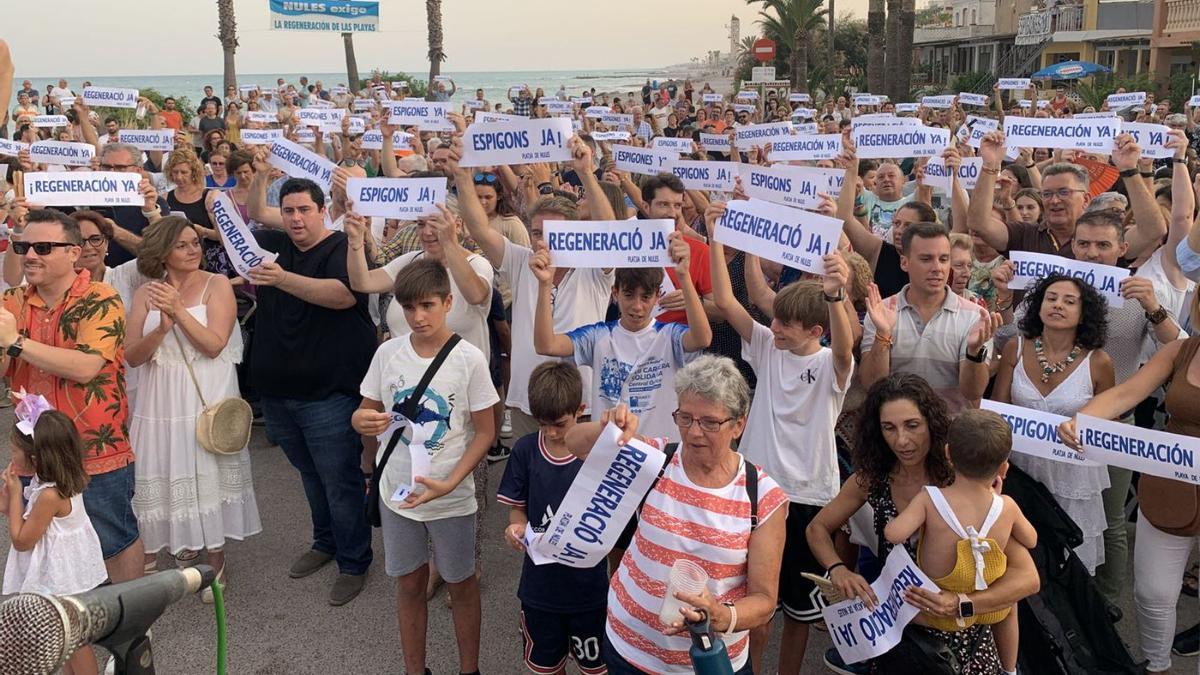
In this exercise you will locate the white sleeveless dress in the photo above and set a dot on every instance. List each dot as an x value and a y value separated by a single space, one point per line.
67 559
1076 488
186 497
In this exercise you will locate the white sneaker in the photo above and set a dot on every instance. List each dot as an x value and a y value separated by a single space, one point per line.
506 430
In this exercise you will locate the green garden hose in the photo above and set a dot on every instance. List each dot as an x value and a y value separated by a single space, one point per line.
219 608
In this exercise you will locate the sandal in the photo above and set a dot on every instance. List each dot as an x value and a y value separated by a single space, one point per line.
186 558
1191 580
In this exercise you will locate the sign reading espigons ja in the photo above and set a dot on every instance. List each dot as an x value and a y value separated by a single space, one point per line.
83 188
524 142
601 500
1033 266
793 237
404 198
608 243
239 242
1035 432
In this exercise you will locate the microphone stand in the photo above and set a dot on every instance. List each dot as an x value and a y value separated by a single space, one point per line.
131 650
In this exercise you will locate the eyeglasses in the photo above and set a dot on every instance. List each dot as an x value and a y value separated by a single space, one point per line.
1061 193
685 421
95 241
117 167
39 247
485 178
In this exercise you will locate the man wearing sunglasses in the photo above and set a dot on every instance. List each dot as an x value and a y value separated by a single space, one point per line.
63 338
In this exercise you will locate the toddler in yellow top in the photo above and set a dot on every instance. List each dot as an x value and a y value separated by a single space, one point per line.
965 527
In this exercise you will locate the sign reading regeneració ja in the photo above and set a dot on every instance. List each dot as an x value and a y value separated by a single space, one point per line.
605 244
787 235
239 242
1030 267
524 142
148 139
110 97
46 121
403 198
83 188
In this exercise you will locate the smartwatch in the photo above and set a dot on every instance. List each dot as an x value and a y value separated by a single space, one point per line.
14 350
841 295
546 189
966 608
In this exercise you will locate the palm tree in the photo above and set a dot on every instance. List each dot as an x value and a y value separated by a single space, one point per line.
745 61
904 37
227 34
351 62
792 24
829 51
893 50
876 28
433 15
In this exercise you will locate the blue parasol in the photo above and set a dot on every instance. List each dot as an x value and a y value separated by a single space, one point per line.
1070 70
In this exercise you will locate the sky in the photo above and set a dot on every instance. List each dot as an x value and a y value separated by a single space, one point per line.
177 37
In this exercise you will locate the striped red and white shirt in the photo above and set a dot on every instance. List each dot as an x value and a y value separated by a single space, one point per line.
710 526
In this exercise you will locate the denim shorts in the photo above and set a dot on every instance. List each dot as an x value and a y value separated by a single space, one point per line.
108 499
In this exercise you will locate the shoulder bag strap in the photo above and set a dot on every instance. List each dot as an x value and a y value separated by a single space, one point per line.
188 362
407 407
752 492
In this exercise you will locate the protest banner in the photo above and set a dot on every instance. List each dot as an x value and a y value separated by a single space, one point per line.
259 117
83 188
744 107
861 100
339 90
781 184
486 117
1126 100
1030 267
247 88
524 142
944 101
1092 135
787 235
1194 101
357 125
883 121
937 174
1151 138
605 244
47 121
907 107
808 129
334 16
601 500
325 119
261 136
299 162
239 242
805 113
698 175
761 134
1153 452
1014 83
809 148
318 103
557 107
799 97
978 100
1026 103
617 119
860 633
110 97
874 142
475 104
596 111
1035 433
644 161
372 139
713 98
428 115
975 128
581 100
403 198
148 139
11 148
362 104
681 146
714 142
828 180
62 152
747 95
1102 113
611 135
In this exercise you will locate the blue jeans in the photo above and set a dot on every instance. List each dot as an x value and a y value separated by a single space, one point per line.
318 440
617 665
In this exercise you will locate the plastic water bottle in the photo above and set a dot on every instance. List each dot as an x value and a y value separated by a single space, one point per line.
707 652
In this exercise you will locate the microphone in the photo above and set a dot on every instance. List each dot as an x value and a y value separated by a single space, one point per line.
39 632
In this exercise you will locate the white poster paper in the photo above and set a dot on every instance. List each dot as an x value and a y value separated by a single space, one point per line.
680 146
1149 451
239 242
808 148
978 127
808 129
299 162
712 176
597 111
617 119
877 143
937 174
47 121
1033 266
611 135
11 148
787 235
611 243
83 188
713 98
799 98
110 97
428 115
762 74
762 134
1035 433
978 100
372 139
524 142
944 101
907 107
744 107
1118 101
403 198
62 152
260 117
1092 135
1151 138
748 95
783 184
485 117
1194 101
1014 83
714 142
148 139
557 107
804 113
261 136
644 161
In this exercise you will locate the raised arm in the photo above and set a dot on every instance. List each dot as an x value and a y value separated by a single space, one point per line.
545 341
861 238
256 205
1149 225
734 313
1183 209
699 332
760 294
475 289
362 279
490 241
841 332
979 220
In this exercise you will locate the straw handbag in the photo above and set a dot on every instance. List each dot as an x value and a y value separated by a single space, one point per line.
222 428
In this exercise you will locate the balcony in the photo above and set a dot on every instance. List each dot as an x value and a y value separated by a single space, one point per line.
1181 16
1037 27
951 33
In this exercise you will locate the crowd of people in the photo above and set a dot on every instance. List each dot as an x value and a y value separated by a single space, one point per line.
811 422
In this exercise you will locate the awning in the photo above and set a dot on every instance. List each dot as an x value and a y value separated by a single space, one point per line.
1093 35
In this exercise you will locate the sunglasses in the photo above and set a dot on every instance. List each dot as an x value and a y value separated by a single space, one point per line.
39 247
485 178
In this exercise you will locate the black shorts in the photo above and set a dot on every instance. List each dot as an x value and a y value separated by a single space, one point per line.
799 597
551 636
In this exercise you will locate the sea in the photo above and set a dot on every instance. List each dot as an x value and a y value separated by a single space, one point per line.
495 85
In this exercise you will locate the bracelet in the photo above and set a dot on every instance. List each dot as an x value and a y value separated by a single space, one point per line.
1179 160
1129 173
150 214
732 617
834 566
1146 174
885 340
990 170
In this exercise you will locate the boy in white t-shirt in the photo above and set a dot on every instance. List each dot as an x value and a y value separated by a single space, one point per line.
790 433
455 417
634 358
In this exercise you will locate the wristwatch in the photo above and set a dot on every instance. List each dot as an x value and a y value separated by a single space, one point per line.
546 188
1179 160
841 295
1129 173
978 357
14 350
1156 317
966 608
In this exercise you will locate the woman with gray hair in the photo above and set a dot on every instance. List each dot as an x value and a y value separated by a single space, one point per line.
709 508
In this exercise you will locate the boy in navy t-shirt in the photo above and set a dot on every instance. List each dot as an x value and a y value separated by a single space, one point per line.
562 608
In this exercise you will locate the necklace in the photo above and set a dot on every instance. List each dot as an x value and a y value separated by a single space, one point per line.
1048 368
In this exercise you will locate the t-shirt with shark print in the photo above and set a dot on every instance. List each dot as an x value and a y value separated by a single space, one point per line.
461 386
538 481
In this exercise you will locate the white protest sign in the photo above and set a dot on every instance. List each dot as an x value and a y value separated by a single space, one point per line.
325 119
967 98
363 104
62 152
11 148
761 134
805 113
45 121
1102 113
824 146
944 101
799 98
882 121
429 115
260 117
611 135
830 179
419 462
748 95
247 88
601 500
647 162
475 104
1035 432
1030 267
1027 103
877 143
261 136
1014 83
744 107
860 633
783 184
83 188
1118 101
400 84
698 175
441 78
1151 138
314 102
978 127
524 142
612 243
713 98
357 125
789 236
299 162
617 119
1149 451
305 135
937 174
557 107
762 74
1194 101
1092 135
809 129
339 89
403 198
148 139
597 111
681 146
372 139
714 142
867 99
581 100
110 97
239 242
485 117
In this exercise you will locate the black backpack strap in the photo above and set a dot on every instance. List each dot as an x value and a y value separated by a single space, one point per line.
752 492
627 534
